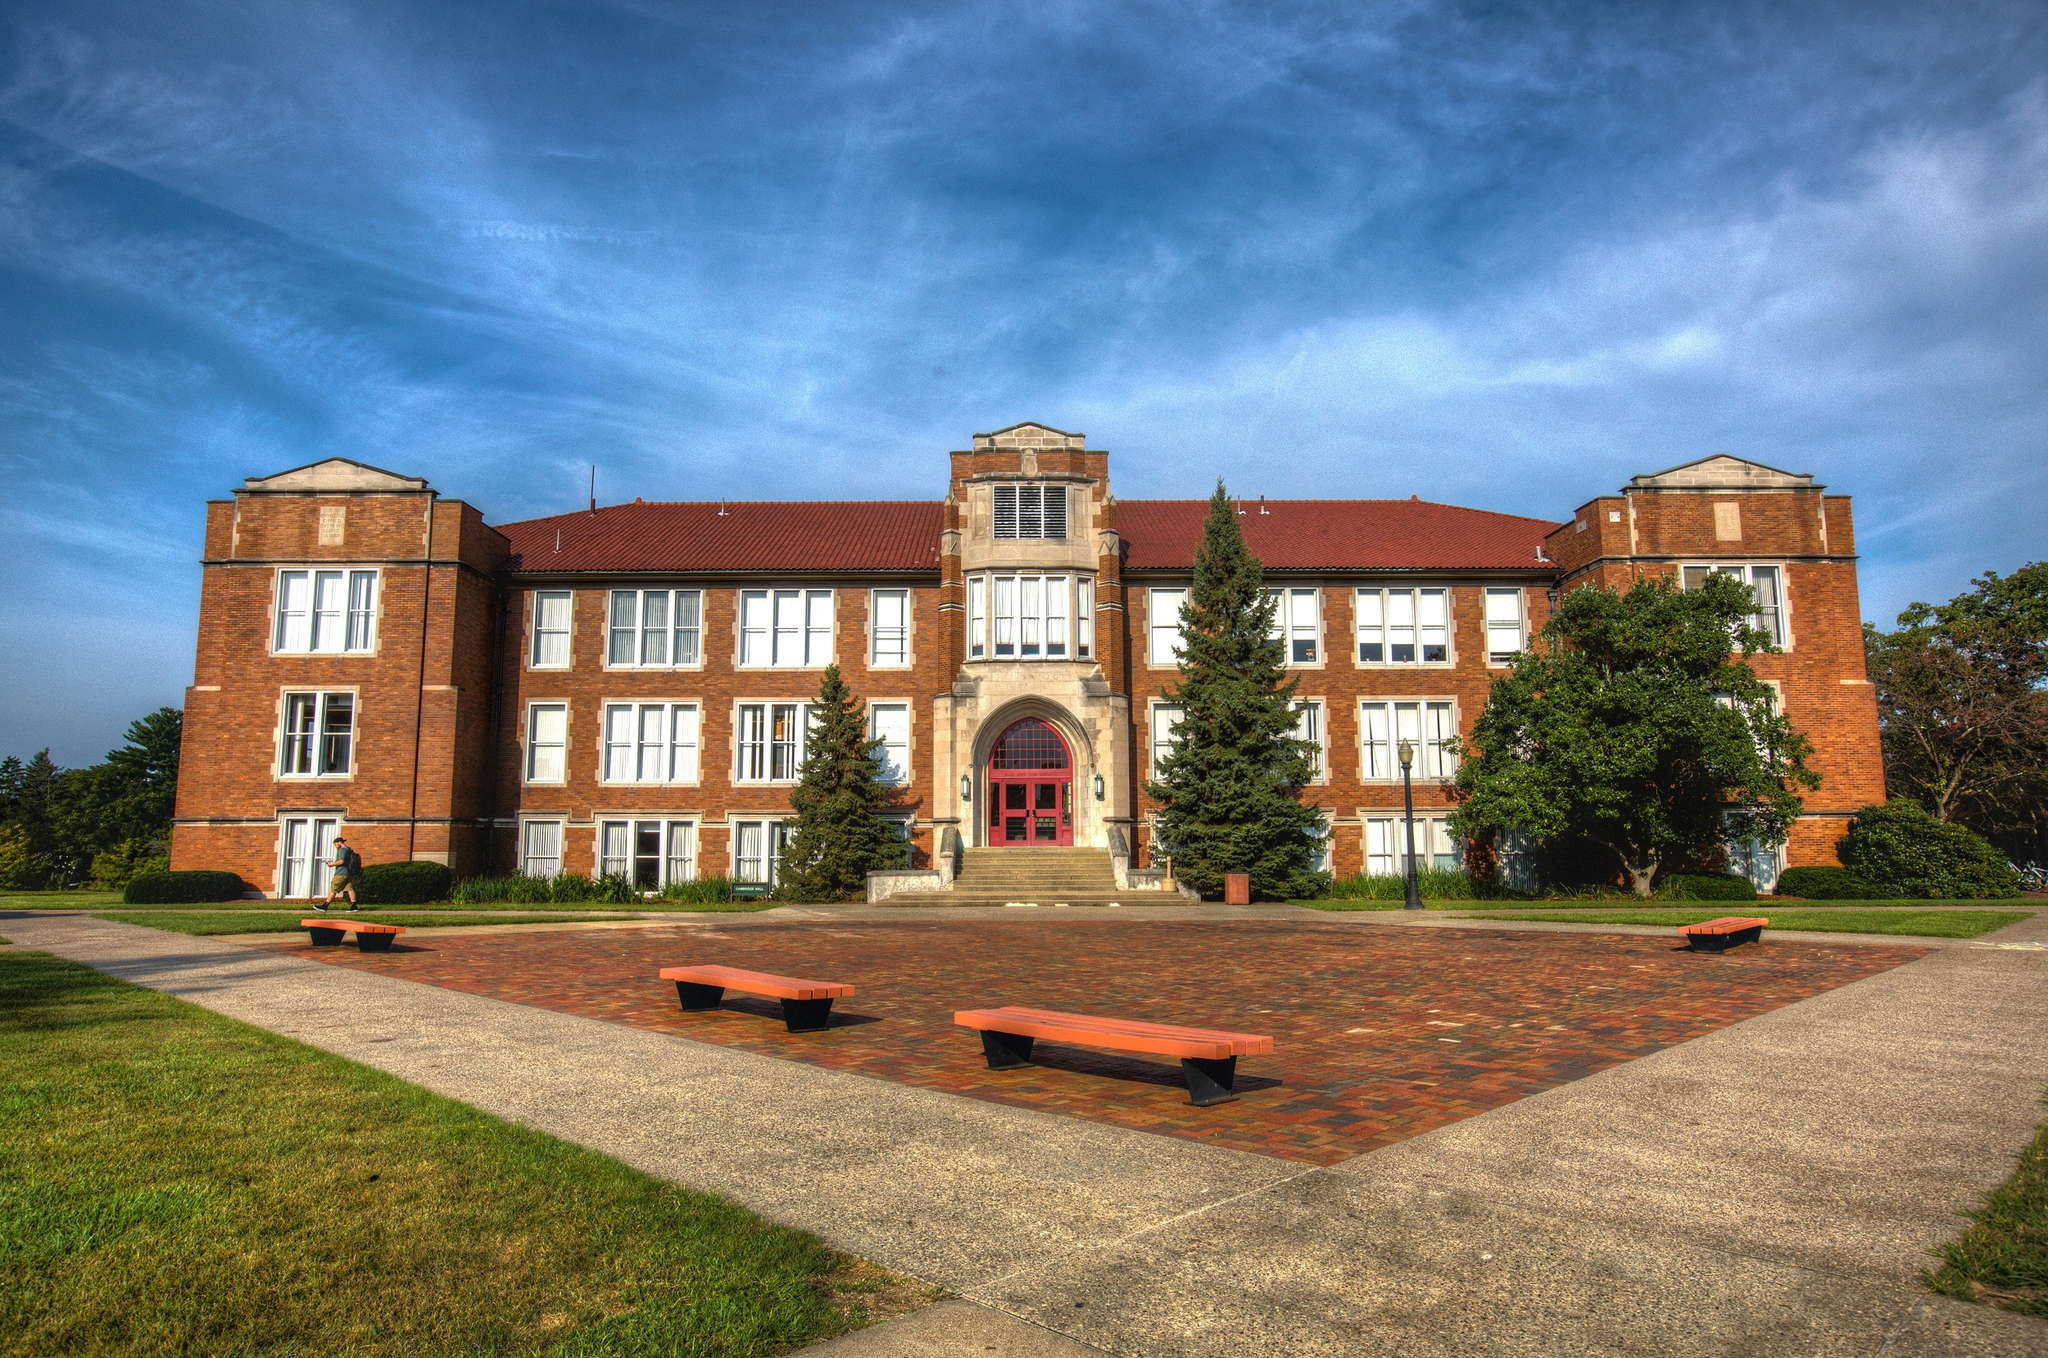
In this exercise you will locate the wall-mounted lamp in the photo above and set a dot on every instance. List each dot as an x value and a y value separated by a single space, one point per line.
966 787
1098 787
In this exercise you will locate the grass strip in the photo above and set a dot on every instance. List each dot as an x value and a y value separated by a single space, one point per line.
111 900
1918 923
286 922
177 1183
2002 1258
1630 903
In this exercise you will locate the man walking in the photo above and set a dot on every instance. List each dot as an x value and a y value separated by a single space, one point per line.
347 865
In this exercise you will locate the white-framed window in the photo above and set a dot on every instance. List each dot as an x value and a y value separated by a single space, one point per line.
648 853
325 612
1030 511
1084 616
977 616
1386 846
785 628
768 741
655 629
1426 724
1769 703
888 628
1308 726
650 742
319 736
1162 623
304 844
551 618
1404 626
1165 720
1506 625
889 728
540 848
1022 617
547 742
1751 856
1298 623
1515 860
757 847
1320 861
1766 582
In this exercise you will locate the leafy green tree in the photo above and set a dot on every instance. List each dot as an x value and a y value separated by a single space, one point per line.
1963 708
21 867
839 835
1230 790
1633 727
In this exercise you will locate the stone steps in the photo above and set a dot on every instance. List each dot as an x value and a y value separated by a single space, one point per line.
998 877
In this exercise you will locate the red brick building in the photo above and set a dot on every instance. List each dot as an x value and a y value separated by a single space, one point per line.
624 688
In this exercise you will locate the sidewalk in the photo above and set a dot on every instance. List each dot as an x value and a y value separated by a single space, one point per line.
1771 1188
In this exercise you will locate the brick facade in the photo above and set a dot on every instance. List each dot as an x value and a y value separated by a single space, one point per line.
428 694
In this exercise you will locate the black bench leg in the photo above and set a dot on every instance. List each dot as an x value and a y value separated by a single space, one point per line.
1709 943
374 942
327 938
695 997
1005 1051
806 1016
1209 1081
1750 935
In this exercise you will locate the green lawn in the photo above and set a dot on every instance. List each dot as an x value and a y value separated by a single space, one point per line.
274 921
58 900
2003 1258
1764 905
103 900
1923 923
175 1183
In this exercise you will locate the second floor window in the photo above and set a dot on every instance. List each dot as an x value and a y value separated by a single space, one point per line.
1504 626
650 742
1023 617
655 628
325 612
769 741
1404 626
319 735
1764 583
1165 717
547 742
1031 511
1297 622
1308 726
550 650
889 728
889 628
785 628
1162 615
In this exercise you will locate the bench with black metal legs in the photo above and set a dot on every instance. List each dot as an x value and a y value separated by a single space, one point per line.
328 933
1208 1057
806 1005
1719 935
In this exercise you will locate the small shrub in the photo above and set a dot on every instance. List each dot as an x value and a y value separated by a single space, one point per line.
567 888
191 887
124 862
701 891
614 889
517 889
20 868
1923 858
1830 884
1708 886
1433 884
413 883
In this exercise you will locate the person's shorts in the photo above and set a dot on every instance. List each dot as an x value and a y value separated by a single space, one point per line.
339 880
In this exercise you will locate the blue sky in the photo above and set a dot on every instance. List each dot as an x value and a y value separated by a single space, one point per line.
1504 256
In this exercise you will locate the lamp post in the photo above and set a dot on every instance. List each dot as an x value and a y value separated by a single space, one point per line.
1407 757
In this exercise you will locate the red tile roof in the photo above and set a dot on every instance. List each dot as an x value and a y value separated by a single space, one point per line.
1338 535
903 535
741 535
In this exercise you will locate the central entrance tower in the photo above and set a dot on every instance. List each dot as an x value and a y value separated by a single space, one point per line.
1032 741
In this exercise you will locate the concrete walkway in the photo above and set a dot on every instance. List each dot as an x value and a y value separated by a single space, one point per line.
1770 1189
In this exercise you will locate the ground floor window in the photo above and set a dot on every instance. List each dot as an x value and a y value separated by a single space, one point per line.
305 843
1753 857
648 853
540 848
757 847
1386 846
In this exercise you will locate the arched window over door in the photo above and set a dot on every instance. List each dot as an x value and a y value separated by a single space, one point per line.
1031 786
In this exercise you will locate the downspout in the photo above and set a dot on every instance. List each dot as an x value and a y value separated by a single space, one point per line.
419 693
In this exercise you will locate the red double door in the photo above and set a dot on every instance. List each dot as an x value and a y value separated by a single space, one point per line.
1030 787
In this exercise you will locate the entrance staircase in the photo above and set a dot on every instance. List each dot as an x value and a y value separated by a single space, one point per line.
1045 877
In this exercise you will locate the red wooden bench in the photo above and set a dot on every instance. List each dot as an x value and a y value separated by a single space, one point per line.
1208 1057
1719 935
327 933
806 1005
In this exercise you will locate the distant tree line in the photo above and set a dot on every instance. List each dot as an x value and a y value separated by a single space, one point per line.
104 823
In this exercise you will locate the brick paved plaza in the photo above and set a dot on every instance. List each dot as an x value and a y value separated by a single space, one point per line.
1382 1033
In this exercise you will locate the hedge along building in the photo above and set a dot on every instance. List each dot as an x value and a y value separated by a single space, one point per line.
625 688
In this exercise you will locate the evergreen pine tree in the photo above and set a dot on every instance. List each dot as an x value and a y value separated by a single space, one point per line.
839 835
1230 789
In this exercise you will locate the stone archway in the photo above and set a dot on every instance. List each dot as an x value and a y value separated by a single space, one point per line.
1030 779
